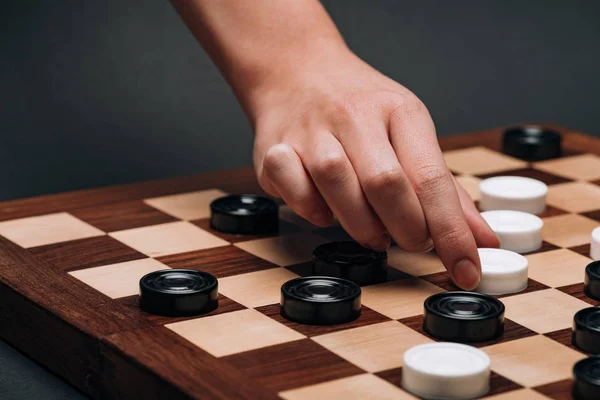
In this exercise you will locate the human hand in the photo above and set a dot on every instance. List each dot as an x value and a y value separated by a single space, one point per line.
336 137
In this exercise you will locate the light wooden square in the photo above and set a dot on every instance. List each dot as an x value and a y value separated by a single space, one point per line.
187 206
167 239
234 332
375 347
575 197
520 394
416 264
585 167
284 250
471 185
357 387
118 280
47 229
399 299
543 311
557 267
568 230
256 289
533 361
479 161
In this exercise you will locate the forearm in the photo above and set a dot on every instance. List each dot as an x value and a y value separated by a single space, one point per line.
253 42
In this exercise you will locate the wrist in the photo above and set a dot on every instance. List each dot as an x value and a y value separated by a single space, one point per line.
260 79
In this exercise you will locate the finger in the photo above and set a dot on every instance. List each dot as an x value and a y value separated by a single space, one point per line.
415 142
335 178
386 186
484 235
285 172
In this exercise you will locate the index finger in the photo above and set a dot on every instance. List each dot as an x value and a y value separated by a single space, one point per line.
414 139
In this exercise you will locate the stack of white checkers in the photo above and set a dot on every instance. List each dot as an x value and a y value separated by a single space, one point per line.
509 204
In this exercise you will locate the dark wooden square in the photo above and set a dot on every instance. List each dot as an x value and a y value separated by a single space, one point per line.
219 261
443 280
560 390
292 365
563 336
367 317
132 303
576 290
547 178
595 215
512 331
121 216
545 247
583 249
86 253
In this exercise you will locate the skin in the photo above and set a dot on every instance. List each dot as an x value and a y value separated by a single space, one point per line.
336 137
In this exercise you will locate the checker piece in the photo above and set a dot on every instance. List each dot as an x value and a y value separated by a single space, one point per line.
446 371
531 143
518 231
502 272
463 317
320 300
178 292
349 260
591 286
587 379
513 193
244 214
586 330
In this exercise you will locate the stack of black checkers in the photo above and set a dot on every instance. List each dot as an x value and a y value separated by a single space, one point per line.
592 280
320 300
532 143
178 292
586 376
349 260
332 295
244 214
464 317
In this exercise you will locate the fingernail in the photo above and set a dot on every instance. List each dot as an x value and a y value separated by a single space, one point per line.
382 243
465 274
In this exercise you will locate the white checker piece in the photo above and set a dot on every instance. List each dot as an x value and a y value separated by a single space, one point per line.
595 244
518 231
502 272
513 193
446 371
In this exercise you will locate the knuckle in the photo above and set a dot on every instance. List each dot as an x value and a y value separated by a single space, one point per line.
331 167
385 181
418 244
409 104
454 236
338 111
275 158
430 180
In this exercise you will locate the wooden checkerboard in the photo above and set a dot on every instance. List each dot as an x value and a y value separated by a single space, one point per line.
70 266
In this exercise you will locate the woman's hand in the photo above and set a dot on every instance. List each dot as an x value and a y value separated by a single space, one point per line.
336 137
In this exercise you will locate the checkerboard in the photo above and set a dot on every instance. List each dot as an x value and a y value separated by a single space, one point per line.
70 266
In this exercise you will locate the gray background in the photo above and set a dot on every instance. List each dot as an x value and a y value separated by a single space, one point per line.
100 93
